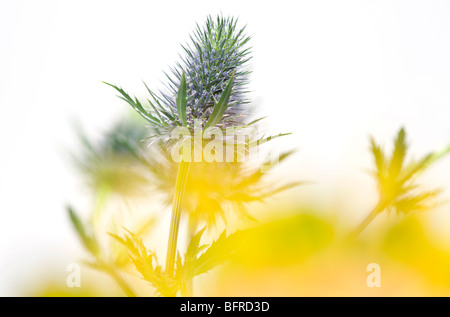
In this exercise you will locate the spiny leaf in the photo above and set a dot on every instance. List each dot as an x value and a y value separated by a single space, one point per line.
88 241
221 105
416 167
78 225
282 188
263 140
129 241
217 253
254 121
169 115
144 260
136 105
255 176
418 202
194 245
379 157
398 157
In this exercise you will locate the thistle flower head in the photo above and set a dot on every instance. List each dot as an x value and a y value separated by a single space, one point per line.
208 84
109 164
216 52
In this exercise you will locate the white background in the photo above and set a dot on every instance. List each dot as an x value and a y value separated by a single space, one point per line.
332 72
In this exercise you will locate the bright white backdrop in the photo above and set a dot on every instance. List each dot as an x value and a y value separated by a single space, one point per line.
332 72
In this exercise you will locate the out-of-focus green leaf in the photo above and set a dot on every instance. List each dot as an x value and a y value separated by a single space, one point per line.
87 239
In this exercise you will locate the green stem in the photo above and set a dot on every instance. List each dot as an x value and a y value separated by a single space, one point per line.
116 276
180 185
123 284
373 214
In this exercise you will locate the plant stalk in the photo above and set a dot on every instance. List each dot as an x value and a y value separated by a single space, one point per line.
180 186
123 284
370 217
117 277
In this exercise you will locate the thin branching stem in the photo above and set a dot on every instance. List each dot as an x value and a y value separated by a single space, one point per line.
180 185
370 217
120 280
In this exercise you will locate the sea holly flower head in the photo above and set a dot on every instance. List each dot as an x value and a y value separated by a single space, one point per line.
207 85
